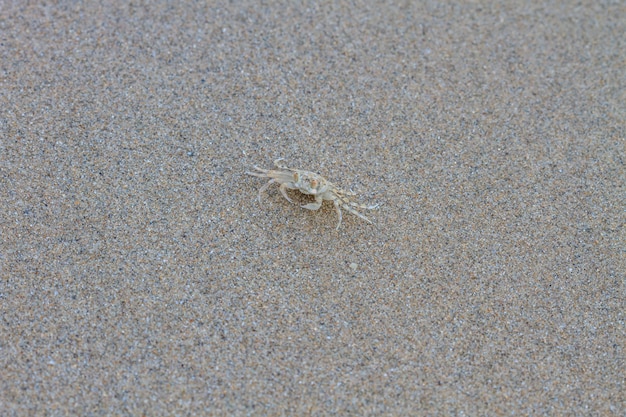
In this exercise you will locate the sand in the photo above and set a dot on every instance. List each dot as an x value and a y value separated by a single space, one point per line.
141 276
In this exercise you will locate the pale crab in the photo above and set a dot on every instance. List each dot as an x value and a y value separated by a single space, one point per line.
310 183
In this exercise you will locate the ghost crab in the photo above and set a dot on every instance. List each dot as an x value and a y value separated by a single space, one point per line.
313 184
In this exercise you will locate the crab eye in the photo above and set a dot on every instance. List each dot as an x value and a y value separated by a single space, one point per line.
296 177
314 183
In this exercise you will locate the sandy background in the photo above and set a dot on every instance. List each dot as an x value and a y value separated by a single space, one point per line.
140 276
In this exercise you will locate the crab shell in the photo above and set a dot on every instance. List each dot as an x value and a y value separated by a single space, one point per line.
308 183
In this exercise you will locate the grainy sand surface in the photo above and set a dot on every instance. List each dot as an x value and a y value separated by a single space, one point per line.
140 276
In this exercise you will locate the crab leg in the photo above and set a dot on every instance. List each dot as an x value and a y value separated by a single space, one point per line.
356 213
283 189
363 206
338 210
265 187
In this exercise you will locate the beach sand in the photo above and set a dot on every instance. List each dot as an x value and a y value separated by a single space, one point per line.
141 276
